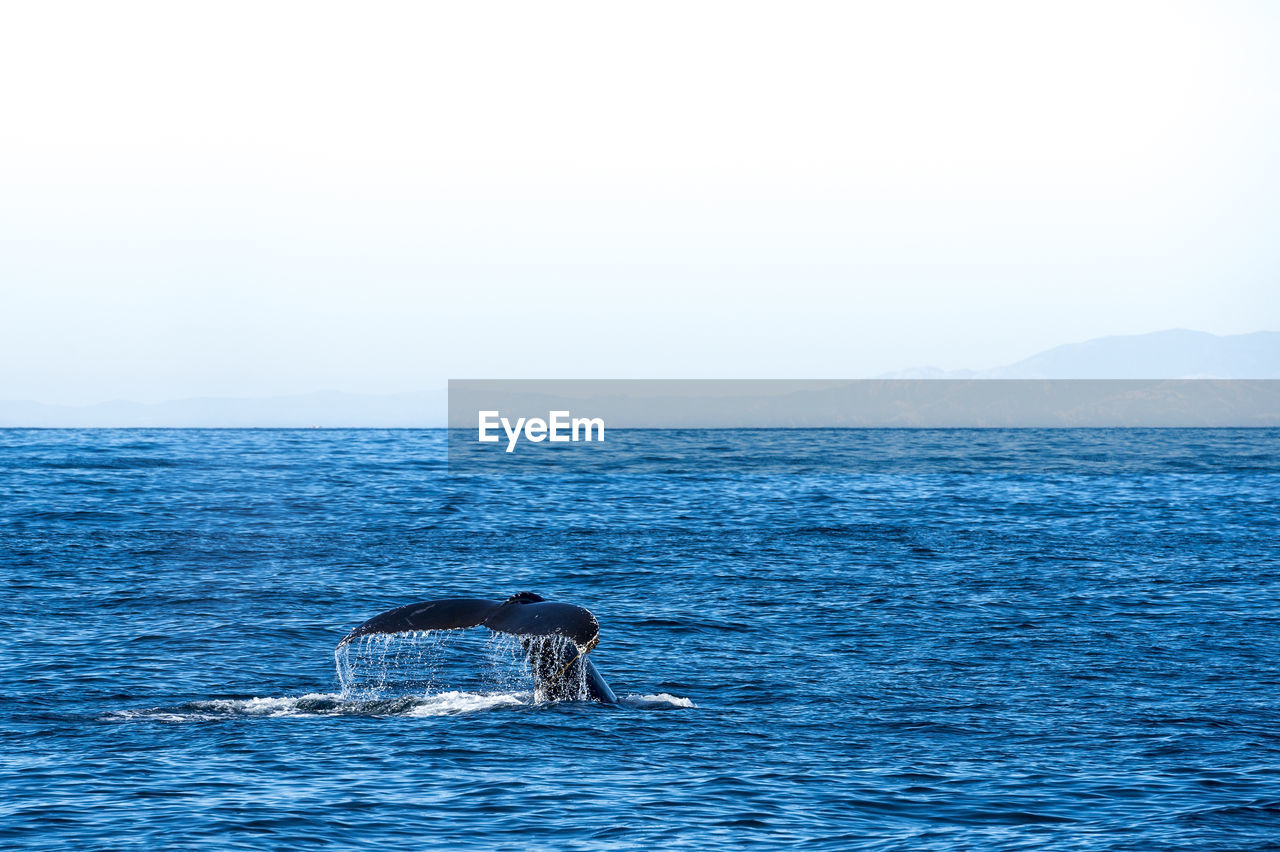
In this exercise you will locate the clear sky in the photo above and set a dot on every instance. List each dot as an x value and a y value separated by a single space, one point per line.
263 198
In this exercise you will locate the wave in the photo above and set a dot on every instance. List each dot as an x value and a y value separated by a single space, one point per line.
451 703
661 701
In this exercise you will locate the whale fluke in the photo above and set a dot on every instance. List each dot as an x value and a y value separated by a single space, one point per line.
525 615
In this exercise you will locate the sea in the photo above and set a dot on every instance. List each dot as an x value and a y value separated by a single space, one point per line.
820 639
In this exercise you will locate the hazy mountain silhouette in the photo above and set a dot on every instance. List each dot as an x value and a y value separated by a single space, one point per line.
1174 354
326 409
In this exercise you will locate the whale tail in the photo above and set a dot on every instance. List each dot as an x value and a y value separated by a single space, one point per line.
556 637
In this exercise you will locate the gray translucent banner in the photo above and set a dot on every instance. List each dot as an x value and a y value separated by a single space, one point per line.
546 425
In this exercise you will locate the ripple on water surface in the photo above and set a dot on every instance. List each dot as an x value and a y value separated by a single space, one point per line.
865 653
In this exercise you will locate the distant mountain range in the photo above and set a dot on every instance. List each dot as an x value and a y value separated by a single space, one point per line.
325 409
1176 354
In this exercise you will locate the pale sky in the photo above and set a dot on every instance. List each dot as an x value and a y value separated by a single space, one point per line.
248 199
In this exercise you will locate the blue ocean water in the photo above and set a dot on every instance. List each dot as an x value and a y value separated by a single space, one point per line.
843 640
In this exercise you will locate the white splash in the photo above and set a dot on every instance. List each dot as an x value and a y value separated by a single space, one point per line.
661 701
456 703
427 673
467 660
331 704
